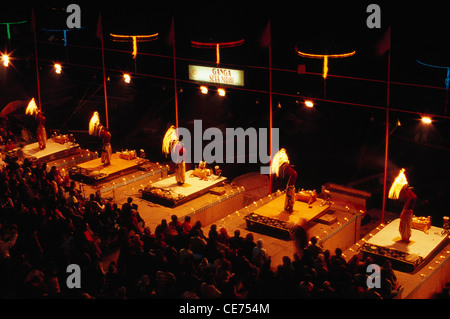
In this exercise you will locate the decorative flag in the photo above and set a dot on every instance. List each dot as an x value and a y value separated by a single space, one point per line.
33 21
266 38
99 27
384 44
171 36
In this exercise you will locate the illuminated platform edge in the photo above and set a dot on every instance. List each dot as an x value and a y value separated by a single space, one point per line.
191 189
52 151
425 281
271 218
386 244
93 172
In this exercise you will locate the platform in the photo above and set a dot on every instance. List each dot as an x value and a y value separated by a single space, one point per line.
426 280
271 217
167 192
52 151
94 172
67 162
406 257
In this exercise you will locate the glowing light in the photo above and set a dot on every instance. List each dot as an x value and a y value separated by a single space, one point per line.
5 59
170 140
58 68
325 58
93 123
325 67
32 108
399 182
278 160
8 32
221 92
127 78
217 46
204 89
134 39
426 120
309 103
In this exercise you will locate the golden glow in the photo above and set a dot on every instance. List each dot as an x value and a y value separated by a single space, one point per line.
5 59
170 140
221 92
141 38
325 58
426 120
217 54
309 103
127 78
32 108
204 89
134 54
58 68
278 160
134 39
399 182
320 56
93 123
325 67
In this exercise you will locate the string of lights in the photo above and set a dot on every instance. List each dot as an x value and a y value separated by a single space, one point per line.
296 96
310 99
247 66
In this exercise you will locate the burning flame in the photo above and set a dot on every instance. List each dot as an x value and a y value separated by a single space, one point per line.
170 140
278 160
399 182
94 122
32 108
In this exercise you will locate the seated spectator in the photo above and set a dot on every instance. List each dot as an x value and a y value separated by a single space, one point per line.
248 246
213 234
259 254
223 236
236 242
186 225
313 249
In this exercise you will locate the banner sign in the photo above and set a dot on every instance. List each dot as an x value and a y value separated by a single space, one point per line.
216 75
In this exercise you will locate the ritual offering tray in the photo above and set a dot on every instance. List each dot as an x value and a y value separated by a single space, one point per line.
306 196
268 225
421 223
162 196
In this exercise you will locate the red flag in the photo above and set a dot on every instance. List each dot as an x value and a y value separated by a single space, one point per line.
384 44
33 21
171 36
265 39
99 27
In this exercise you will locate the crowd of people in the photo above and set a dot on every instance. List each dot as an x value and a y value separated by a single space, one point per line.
46 225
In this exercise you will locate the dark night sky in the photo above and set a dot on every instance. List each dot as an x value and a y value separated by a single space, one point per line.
332 143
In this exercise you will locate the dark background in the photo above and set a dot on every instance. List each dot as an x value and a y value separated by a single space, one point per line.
334 142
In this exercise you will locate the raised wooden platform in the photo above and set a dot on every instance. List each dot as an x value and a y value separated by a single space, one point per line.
167 192
94 172
427 279
271 218
406 257
52 151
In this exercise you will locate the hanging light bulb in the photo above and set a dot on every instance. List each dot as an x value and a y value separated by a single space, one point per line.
309 103
426 120
5 59
127 78
58 68
204 89
221 92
